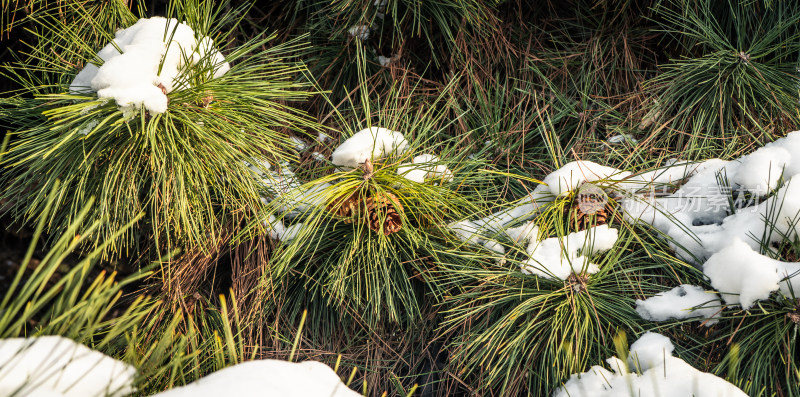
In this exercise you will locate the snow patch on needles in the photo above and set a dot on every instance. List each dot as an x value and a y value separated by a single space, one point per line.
372 143
682 302
360 32
651 371
267 378
572 175
558 257
57 366
425 166
132 77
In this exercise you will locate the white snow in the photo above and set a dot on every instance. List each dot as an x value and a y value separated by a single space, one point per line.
298 144
484 231
467 231
425 166
649 351
573 174
290 232
88 127
682 302
57 366
380 5
275 227
360 32
132 77
654 373
300 199
524 233
558 257
743 276
705 229
368 144
267 378
617 139
760 171
386 61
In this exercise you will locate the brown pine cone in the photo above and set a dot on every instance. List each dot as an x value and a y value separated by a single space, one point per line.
347 206
383 213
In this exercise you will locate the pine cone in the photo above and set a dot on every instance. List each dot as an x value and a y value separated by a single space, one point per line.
590 208
383 213
347 207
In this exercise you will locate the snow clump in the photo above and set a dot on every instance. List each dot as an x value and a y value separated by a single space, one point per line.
573 174
130 74
57 366
558 257
743 276
368 144
682 302
360 32
267 378
651 371
425 166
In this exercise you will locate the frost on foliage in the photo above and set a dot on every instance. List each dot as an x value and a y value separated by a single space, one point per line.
743 276
266 378
651 371
425 166
371 143
558 257
132 77
57 366
682 302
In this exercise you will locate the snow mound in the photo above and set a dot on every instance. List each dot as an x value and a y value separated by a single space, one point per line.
661 375
57 366
743 276
558 257
265 378
368 144
132 77
682 302
648 351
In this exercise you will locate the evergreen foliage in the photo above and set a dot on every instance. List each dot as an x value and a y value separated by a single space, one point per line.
159 233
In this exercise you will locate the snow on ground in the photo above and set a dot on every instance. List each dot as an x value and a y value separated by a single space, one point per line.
56 366
130 73
267 378
682 302
651 371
